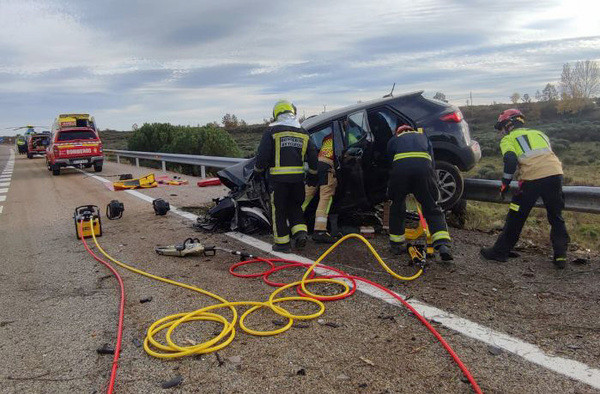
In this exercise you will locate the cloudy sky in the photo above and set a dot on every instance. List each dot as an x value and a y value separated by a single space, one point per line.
190 62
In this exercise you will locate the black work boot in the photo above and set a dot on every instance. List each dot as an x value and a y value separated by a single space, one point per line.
300 239
444 252
559 262
491 254
397 248
322 237
513 255
283 248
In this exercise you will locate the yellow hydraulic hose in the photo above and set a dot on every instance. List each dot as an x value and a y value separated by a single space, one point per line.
169 349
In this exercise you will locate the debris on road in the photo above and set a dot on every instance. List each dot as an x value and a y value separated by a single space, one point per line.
494 350
145 299
176 381
106 349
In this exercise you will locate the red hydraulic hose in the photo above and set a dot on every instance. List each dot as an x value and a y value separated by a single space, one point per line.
290 263
113 373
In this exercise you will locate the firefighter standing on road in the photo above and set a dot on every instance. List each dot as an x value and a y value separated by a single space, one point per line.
326 186
283 149
528 153
413 172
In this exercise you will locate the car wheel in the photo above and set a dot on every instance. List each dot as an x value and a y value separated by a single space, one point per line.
98 168
450 184
29 156
56 169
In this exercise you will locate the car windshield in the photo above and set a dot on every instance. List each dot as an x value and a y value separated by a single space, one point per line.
76 135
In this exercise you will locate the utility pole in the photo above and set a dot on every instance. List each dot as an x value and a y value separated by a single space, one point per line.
471 98
324 108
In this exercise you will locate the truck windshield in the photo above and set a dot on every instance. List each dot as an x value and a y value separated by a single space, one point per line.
76 135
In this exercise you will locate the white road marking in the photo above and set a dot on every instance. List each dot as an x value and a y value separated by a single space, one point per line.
5 190
564 366
2 198
4 184
1 208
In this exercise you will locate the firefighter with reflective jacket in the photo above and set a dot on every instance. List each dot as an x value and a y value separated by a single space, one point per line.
326 187
413 172
283 149
528 155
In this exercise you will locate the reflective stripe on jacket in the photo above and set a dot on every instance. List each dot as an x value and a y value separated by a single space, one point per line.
283 150
409 145
534 154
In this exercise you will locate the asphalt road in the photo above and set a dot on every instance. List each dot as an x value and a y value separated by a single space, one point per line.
58 306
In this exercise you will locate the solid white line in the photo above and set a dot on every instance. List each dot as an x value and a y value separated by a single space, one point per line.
570 368
5 190
2 198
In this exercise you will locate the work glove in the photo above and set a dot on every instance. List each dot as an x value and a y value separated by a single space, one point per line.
504 189
312 179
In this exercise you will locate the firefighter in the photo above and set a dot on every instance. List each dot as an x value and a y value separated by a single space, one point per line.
283 149
411 154
528 155
326 186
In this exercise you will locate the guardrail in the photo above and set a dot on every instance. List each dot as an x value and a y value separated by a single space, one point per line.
164 158
577 198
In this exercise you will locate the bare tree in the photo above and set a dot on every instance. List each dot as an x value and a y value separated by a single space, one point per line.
549 93
538 95
440 96
515 97
526 98
582 80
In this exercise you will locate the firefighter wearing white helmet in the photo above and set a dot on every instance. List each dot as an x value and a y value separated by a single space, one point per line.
282 151
528 156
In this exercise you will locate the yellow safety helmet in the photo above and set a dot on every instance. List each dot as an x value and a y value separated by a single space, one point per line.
283 106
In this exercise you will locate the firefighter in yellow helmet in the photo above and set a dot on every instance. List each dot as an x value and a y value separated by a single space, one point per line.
282 152
528 154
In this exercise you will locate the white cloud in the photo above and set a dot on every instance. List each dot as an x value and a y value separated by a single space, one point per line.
191 62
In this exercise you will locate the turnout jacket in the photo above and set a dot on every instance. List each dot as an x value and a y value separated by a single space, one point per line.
283 149
528 155
409 145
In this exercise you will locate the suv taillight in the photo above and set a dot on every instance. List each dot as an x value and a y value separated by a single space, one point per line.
100 148
55 151
454 117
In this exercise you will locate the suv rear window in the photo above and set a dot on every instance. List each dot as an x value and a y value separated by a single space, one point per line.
76 135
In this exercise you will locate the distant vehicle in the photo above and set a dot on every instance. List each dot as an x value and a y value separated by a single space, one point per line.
74 142
361 133
37 143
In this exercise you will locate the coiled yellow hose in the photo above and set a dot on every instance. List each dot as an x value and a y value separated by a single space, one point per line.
170 349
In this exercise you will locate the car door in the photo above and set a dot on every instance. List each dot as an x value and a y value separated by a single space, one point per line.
356 138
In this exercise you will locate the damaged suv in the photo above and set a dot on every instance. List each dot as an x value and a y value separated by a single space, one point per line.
360 136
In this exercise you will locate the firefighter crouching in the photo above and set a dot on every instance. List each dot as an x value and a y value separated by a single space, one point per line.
413 172
528 154
326 186
283 149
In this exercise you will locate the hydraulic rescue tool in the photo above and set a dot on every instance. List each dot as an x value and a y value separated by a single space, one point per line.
114 210
192 246
87 221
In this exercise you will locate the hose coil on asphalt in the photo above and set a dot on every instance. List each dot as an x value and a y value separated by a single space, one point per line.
167 325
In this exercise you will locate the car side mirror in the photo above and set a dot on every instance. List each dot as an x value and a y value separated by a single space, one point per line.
355 151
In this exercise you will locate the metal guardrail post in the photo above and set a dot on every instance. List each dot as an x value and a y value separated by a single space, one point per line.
164 166
202 172
137 161
118 159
